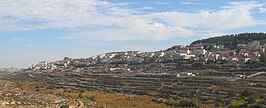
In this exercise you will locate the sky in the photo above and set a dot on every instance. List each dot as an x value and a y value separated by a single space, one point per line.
38 30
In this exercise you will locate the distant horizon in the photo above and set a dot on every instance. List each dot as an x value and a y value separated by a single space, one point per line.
33 31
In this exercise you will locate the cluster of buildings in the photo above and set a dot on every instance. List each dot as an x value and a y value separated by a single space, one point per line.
45 65
243 54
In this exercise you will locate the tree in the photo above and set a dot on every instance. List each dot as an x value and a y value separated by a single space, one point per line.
237 103
172 102
37 89
247 93
188 103
262 58
64 106
81 95
252 100
231 93
232 53
93 98
231 41
152 59
19 84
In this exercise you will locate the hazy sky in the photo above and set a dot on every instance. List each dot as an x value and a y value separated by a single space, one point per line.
36 30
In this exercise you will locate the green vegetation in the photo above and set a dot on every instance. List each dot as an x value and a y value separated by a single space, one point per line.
64 106
19 84
81 95
112 100
172 102
247 93
188 103
232 93
182 103
93 98
252 99
246 97
37 90
262 58
150 59
231 41
223 102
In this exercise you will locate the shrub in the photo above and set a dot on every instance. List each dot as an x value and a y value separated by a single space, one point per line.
80 95
237 103
64 106
252 100
172 102
93 98
231 93
247 93
19 84
182 103
81 91
188 103
37 90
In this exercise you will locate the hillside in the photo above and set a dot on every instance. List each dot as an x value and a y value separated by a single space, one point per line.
231 41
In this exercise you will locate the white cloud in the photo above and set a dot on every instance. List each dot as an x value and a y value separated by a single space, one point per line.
162 3
262 9
20 39
43 14
217 20
244 5
235 16
146 8
134 30
108 21
188 3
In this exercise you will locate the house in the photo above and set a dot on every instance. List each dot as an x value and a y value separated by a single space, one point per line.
196 46
199 52
62 63
106 60
198 49
241 46
43 65
187 57
184 50
171 54
184 74
254 59
232 59
177 47
84 62
160 53
243 53
213 56
256 54
119 69
243 60
136 60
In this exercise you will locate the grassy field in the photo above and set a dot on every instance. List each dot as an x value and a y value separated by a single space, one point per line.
111 100
114 100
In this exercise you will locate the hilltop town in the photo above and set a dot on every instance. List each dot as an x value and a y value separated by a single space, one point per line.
192 56
201 74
